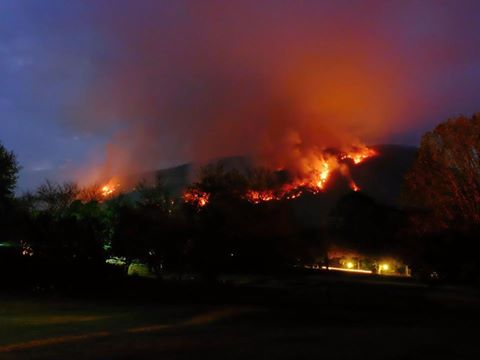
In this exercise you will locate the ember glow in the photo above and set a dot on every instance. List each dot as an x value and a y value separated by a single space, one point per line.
257 197
354 186
99 191
196 197
109 189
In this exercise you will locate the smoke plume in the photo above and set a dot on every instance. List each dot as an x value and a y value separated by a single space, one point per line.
276 81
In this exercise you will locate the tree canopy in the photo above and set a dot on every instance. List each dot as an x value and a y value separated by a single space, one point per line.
444 182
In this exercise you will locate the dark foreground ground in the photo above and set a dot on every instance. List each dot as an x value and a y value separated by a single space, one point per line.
315 317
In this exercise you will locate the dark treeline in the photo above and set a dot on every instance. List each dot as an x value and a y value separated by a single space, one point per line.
62 236
442 199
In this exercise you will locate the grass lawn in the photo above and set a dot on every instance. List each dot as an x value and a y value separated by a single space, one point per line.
347 318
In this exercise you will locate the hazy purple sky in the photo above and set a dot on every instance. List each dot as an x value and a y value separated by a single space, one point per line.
76 76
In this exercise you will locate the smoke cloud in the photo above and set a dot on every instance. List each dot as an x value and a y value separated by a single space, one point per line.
276 81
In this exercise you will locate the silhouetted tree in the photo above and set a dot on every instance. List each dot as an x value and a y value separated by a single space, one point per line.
165 235
8 179
361 223
149 229
154 195
9 169
220 183
211 226
89 193
56 197
260 178
444 182
67 238
230 233
442 193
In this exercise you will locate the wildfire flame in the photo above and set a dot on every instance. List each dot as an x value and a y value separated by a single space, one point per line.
314 181
196 197
359 156
109 189
99 192
260 196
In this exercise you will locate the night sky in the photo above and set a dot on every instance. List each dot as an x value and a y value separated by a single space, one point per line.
164 80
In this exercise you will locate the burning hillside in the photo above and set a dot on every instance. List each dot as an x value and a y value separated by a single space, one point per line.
379 171
212 88
100 191
196 197
311 176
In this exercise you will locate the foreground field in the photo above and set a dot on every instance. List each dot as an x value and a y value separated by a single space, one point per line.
303 319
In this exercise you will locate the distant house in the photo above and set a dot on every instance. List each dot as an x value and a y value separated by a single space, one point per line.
352 261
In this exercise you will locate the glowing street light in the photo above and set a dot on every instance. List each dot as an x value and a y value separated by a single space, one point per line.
350 265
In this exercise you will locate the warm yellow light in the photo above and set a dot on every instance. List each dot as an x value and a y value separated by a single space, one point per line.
385 267
350 265
348 270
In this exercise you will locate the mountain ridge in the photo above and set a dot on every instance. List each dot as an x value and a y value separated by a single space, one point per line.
380 176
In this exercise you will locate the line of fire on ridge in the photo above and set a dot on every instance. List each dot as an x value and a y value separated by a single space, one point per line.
314 183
